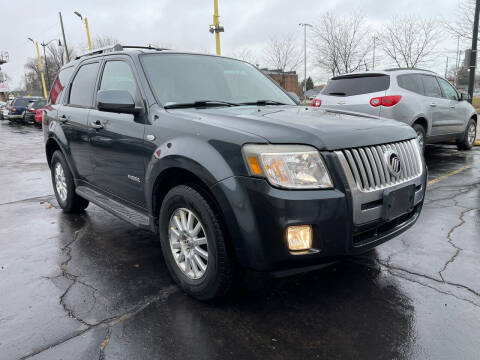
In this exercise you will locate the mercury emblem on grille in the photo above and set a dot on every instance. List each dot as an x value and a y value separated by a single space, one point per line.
393 162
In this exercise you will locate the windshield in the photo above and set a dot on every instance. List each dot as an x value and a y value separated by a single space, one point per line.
20 102
186 78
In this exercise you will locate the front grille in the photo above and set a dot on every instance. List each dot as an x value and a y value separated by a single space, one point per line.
369 167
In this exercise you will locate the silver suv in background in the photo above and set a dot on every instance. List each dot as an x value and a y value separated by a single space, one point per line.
422 99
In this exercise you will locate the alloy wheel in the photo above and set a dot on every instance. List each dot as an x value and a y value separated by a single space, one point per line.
60 182
471 133
188 243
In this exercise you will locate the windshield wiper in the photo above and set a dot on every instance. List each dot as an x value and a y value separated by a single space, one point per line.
200 103
337 93
264 102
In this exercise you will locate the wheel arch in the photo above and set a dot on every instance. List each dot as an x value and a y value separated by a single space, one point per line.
421 120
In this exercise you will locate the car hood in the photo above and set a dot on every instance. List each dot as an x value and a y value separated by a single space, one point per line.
326 130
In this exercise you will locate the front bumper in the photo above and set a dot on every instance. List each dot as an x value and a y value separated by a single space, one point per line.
257 215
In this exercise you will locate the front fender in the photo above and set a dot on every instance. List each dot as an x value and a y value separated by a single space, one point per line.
201 158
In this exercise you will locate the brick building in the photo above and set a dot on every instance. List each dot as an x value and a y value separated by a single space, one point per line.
286 79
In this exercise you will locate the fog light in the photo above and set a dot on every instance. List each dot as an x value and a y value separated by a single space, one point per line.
299 237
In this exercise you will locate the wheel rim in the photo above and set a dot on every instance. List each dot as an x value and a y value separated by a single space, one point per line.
188 243
60 182
471 133
420 138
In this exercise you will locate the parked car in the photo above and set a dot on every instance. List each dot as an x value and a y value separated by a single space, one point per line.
18 107
230 175
6 110
31 110
2 107
38 117
422 99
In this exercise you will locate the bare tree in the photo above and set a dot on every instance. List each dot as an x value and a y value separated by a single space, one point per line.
244 54
410 40
341 44
283 54
103 41
463 25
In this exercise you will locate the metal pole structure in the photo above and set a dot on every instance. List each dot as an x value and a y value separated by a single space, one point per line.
473 54
305 55
446 68
46 63
64 40
215 28
88 35
373 60
40 68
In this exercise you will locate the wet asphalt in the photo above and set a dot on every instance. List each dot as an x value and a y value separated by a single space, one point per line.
91 286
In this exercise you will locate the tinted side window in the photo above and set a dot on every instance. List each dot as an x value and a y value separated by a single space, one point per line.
81 92
117 75
356 85
448 90
59 84
430 86
411 82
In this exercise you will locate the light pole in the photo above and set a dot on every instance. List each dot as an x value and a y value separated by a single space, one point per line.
45 57
84 20
305 55
473 53
215 28
40 67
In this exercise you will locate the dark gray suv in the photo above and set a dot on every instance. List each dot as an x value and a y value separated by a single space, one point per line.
218 160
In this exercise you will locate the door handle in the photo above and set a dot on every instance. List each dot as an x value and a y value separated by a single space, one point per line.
97 124
433 104
452 106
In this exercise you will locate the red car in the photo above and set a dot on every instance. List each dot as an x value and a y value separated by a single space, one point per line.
38 117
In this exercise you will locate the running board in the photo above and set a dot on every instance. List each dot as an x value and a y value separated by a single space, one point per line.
124 212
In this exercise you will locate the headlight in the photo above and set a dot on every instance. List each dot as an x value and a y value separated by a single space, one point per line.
288 166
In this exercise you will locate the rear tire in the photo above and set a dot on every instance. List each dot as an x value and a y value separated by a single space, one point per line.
421 132
64 186
211 279
468 138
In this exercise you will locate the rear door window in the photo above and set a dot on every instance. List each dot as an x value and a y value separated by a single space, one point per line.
81 91
59 85
430 86
448 90
356 85
411 82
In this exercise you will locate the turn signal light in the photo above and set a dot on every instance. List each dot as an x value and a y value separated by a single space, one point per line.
299 237
316 103
385 100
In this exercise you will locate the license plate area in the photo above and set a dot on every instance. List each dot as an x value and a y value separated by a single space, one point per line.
398 202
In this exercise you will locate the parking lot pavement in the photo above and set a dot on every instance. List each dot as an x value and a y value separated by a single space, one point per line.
91 286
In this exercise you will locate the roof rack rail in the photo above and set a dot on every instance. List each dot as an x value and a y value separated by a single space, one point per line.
110 48
416 69
117 47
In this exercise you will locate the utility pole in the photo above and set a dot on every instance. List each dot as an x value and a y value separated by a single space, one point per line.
40 68
215 28
64 40
85 21
446 68
45 57
305 55
374 44
473 54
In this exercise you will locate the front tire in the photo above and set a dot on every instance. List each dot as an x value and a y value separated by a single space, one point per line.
64 186
468 138
194 245
420 130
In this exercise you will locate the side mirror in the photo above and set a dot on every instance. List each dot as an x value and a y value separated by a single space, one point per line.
120 101
465 97
294 97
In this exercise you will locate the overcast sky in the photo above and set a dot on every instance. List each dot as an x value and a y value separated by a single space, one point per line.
183 24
